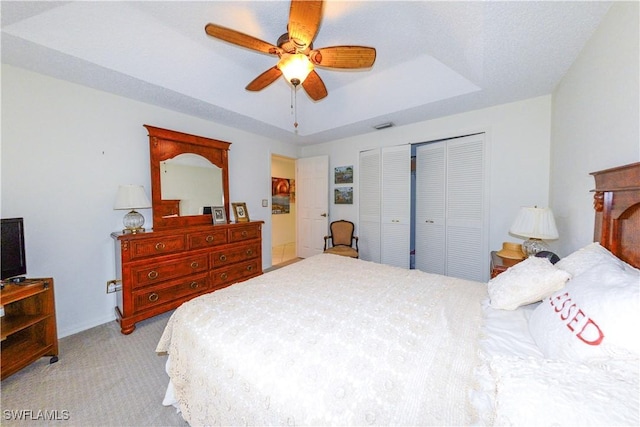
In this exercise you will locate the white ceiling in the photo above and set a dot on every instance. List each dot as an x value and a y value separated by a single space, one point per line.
434 58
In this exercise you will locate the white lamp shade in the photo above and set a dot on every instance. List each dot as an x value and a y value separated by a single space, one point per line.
535 223
295 66
131 197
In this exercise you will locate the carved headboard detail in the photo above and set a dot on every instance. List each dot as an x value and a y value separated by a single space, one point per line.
617 205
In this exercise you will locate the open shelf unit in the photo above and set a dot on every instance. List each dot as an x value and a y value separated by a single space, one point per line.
28 327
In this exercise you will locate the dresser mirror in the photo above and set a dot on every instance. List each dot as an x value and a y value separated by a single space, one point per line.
189 175
181 179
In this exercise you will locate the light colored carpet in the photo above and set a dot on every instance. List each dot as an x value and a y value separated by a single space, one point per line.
103 378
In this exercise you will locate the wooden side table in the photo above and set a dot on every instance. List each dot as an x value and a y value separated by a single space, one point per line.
499 264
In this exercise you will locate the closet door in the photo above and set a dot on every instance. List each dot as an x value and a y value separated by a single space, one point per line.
451 236
369 191
396 205
430 208
466 253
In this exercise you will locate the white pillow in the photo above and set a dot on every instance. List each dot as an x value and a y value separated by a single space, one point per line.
595 316
589 256
527 282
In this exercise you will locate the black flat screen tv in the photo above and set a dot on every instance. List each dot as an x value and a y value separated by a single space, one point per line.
14 260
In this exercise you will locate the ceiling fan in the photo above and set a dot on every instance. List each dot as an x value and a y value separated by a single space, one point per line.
295 51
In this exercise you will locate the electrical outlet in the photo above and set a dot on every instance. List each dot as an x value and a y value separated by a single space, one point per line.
265 203
113 286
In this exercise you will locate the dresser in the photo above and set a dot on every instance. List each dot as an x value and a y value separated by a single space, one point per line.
162 269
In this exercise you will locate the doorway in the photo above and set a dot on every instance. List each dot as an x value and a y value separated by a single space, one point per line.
283 209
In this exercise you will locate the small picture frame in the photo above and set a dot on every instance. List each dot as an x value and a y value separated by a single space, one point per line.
343 175
219 215
343 195
240 212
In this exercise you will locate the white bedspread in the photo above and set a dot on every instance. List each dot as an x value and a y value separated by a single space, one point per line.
306 346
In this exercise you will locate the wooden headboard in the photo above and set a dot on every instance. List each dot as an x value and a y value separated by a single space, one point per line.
617 205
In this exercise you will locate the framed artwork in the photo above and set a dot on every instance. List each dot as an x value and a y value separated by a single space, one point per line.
280 195
343 195
219 216
343 175
240 212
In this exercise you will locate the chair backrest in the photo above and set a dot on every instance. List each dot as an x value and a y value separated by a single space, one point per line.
342 232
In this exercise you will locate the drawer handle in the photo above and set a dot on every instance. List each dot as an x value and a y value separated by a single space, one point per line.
244 233
152 274
153 297
194 285
195 264
224 276
209 238
249 267
223 257
160 246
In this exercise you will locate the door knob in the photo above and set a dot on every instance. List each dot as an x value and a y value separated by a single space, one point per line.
324 215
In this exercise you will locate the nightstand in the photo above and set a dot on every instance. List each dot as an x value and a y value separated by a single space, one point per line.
499 264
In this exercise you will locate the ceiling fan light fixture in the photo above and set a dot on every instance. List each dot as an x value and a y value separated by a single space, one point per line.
295 67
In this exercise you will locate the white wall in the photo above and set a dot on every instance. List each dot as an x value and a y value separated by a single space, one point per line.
65 149
518 135
595 121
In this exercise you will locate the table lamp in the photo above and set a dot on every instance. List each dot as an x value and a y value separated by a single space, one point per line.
535 224
132 197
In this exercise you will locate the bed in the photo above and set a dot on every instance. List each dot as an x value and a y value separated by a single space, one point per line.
333 340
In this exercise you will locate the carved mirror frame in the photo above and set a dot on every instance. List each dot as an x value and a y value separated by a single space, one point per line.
165 144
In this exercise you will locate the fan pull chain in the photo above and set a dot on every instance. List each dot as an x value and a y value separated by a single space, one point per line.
295 109
294 102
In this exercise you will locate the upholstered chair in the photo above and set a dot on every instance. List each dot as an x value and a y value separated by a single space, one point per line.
341 240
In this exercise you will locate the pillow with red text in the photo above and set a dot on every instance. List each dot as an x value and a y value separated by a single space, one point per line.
595 316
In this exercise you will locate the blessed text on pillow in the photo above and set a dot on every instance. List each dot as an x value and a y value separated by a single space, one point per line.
595 316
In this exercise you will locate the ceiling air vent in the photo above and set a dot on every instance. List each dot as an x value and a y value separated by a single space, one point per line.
383 126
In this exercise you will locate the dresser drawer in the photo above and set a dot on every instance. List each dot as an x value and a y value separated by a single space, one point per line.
207 239
145 275
233 255
239 234
169 292
234 273
157 246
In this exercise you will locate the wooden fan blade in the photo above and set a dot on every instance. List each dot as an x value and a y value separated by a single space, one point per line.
314 86
304 21
344 57
264 79
240 39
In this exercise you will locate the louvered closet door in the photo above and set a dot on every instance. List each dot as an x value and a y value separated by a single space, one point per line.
430 208
451 235
465 208
369 205
396 205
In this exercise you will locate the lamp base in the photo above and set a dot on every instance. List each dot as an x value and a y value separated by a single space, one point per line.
532 246
133 222
133 230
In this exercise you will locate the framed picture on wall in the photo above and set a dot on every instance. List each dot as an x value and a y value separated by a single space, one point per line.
280 195
240 212
343 175
343 195
219 216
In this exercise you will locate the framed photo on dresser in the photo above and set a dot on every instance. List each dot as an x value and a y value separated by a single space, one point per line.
218 214
240 212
